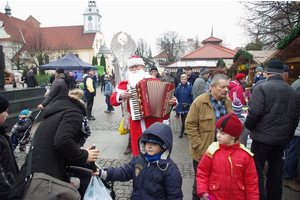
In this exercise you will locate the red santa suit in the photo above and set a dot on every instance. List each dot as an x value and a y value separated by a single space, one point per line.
137 127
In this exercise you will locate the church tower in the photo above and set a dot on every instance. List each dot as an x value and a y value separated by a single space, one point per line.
92 18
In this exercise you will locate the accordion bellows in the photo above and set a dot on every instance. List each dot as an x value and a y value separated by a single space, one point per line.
150 98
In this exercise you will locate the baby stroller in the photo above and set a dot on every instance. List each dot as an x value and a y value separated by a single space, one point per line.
27 136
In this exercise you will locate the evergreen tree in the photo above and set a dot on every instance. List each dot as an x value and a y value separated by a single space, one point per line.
103 62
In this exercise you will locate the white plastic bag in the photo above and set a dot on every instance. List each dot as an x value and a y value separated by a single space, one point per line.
96 190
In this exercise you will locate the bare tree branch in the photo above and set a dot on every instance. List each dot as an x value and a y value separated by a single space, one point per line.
270 21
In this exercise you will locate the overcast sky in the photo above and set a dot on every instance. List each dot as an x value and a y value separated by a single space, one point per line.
143 19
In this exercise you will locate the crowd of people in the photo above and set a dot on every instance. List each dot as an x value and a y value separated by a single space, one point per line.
210 108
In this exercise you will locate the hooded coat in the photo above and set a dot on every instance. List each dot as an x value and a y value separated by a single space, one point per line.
56 142
151 180
236 91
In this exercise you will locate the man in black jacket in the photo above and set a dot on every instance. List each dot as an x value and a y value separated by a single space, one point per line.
273 116
191 75
30 79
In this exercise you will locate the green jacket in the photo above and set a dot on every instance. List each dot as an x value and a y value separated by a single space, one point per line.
200 124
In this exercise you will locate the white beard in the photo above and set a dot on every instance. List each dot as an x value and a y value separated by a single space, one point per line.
135 76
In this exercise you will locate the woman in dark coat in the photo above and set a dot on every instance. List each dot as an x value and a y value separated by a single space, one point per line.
59 87
183 93
57 141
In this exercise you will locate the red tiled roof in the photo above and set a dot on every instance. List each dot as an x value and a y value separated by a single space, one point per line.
210 51
67 36
161 55
212 39
12 26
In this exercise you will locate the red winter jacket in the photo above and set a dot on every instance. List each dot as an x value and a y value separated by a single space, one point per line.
228 172
236 91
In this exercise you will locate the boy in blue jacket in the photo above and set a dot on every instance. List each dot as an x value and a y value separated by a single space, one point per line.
154 174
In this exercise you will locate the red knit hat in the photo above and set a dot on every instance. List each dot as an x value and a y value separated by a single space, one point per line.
239 76
230 124
135 60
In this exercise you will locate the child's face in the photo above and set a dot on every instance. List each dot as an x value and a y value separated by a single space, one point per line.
152 148
224 138
3 116
22 116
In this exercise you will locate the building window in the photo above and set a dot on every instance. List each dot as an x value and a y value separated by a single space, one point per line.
90 26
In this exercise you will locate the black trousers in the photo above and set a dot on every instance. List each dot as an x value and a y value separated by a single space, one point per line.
272 154
183 117
89 103
194 192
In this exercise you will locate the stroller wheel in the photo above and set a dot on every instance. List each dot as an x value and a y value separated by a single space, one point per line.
22 148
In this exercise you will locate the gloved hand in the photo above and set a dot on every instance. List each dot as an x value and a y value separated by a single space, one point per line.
206 196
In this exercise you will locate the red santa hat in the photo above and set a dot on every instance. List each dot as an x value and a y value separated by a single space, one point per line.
135 60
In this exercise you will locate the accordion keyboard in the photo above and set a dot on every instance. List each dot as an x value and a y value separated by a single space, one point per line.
134 106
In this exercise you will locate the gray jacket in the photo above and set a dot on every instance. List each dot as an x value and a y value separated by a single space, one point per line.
199 86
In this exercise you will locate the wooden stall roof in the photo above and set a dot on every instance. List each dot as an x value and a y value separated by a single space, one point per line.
288 55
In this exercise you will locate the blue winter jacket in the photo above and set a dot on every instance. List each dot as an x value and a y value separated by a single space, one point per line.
183 93
108 88
156 180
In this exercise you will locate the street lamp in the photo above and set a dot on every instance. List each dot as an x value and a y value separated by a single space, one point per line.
103 50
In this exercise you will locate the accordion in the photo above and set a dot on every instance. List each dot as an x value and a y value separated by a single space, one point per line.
150 98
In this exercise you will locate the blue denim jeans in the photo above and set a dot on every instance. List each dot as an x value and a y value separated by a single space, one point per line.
291 160
109 106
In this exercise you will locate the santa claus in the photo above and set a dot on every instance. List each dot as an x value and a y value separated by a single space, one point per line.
136 73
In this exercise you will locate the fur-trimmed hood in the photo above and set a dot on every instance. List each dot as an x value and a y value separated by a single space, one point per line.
61 103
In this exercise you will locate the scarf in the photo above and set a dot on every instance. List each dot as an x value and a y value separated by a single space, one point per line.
152 159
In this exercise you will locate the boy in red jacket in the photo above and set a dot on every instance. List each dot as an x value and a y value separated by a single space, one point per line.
227 169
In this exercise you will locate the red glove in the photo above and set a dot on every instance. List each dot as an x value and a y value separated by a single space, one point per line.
206 196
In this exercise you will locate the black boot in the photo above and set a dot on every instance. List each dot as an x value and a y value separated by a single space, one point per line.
181 134
90 117
128 148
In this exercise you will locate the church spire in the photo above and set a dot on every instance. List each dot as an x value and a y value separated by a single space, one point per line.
212 31
7 10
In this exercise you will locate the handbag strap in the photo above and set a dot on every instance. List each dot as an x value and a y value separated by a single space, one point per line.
29 163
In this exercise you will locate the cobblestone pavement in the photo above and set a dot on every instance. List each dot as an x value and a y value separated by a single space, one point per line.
108 123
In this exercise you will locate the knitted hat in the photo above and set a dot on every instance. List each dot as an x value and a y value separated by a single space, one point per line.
274 66
24 112
3 103
287 69
88 69
237 106
154 139
135 60
60 70
230 124
259 69
204 71
239 76
153 68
